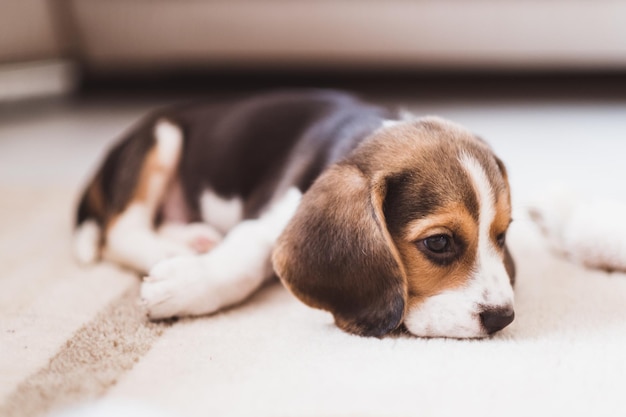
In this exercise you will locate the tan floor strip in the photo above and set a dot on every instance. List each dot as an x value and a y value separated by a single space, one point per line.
90 362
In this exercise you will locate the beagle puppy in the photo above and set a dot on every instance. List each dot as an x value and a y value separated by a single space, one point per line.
380 219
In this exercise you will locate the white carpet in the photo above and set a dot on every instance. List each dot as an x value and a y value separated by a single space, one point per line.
275 357
69 335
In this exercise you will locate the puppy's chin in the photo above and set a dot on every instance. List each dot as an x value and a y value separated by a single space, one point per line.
452 314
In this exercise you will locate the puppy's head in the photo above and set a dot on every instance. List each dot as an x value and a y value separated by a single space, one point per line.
409 228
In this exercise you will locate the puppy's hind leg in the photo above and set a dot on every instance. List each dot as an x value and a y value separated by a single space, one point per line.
203 284
130 236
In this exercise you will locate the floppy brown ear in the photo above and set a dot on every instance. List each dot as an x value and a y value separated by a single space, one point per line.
336 254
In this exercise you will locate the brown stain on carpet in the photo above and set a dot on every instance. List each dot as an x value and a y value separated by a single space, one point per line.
90 362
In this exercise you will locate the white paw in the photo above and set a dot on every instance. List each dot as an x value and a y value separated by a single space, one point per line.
177 287
551 211
586 230
596 235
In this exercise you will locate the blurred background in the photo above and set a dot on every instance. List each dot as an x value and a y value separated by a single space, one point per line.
51 46
522 73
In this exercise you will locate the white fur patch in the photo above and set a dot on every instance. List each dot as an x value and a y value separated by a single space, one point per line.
197 285
456 313
404 115
491 275
391 123
219 212
169 139
448 314
87 242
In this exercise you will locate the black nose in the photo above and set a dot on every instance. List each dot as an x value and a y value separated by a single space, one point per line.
494 319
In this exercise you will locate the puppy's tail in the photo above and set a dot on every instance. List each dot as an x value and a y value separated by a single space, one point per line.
88 235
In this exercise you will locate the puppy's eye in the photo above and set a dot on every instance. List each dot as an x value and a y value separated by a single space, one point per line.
441 249
501 239
438 243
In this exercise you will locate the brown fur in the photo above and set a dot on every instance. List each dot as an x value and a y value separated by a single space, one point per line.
144 192
155 179
426 279
95 199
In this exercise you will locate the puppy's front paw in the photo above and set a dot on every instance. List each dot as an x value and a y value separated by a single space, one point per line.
174 287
